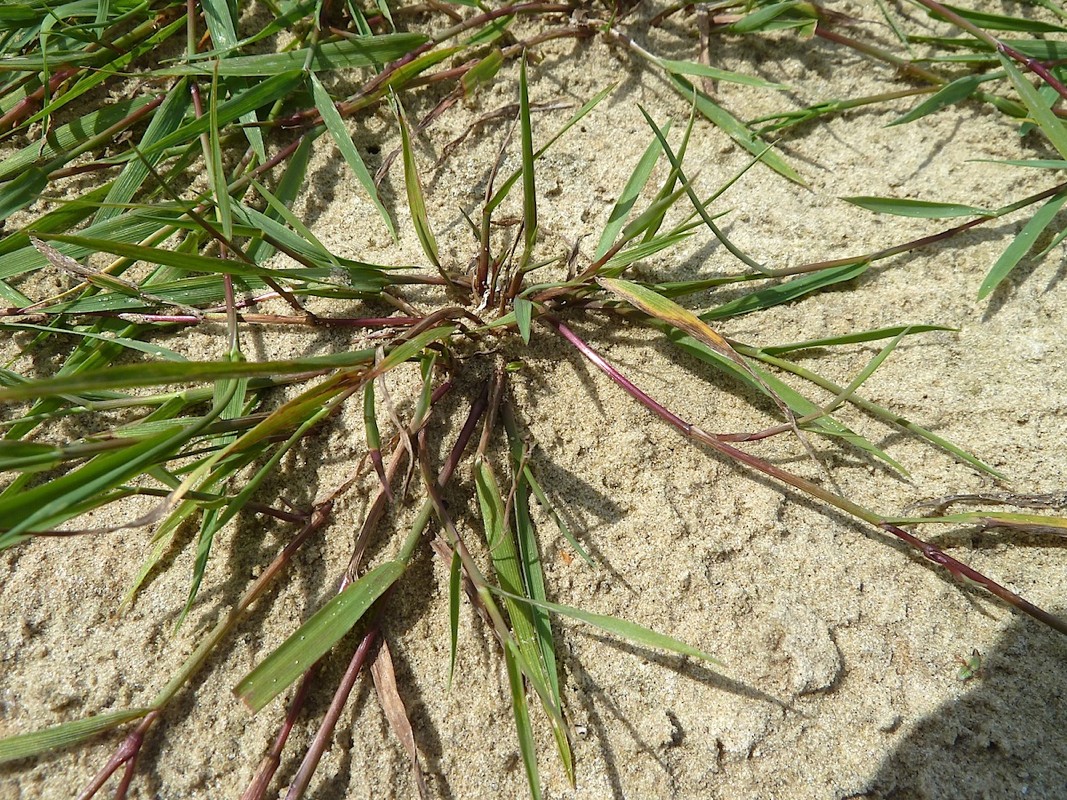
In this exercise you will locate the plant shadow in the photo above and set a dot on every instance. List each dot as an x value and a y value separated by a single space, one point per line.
1003 737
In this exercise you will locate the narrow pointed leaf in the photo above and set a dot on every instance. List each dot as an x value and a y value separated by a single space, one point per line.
1051 125
734 128
523 727
1021 245
361 51
28 745
951 93
922 209
631 631
158 373
634 186
785 292
416 199
341 137
523 317
529 187
316 637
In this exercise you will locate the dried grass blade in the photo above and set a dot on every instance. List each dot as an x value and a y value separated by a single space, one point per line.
384 675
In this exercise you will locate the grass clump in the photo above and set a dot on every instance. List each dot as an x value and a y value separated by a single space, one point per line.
172 212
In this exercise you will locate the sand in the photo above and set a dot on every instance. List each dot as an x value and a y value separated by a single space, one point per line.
841 650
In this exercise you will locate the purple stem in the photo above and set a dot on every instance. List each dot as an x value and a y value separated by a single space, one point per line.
929 551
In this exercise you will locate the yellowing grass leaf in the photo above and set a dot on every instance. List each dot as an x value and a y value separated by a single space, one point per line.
659 307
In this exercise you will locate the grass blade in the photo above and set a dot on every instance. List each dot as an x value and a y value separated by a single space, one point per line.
522 720
523 317
634 186
336 126
316 637
630 631
362 51
529 185
922 209
37 743
1046 120
416 199
785 292
734 128
1021 245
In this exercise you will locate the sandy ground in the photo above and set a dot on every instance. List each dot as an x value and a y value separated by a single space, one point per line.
842 650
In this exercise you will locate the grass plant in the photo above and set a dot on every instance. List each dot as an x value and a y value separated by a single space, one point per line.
154 155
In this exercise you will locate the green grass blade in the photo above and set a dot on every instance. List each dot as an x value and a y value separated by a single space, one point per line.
1046 120
336 127
698 206
692 69
214 162
260 94
1021 245
416 199
363 51
221 25
506 560
780 391
734 128
852 338
923 209
28 745
167 118
542 498
785 292
155 350
48 504
955 92
634 186
316 637
523 727
529 184
523 317
630 631
156 374
286 193
501 193
454 575
1000 22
